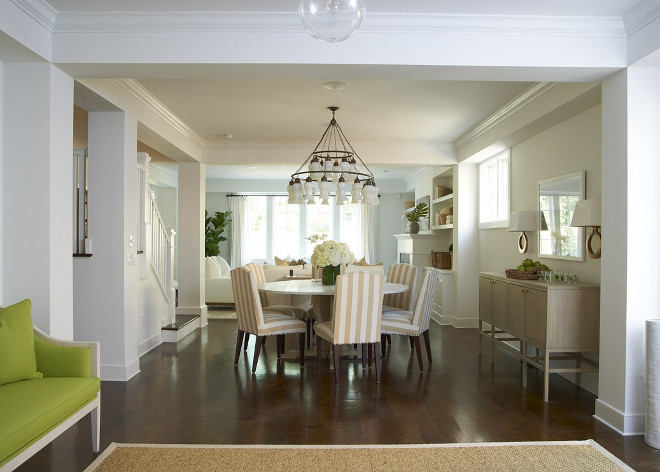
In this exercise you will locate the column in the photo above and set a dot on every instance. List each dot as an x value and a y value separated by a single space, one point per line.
192 197
629 290
106 284
37 188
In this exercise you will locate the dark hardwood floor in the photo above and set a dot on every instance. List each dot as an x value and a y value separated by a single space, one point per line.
191 392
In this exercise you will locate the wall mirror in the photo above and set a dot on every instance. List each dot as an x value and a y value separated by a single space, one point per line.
557 199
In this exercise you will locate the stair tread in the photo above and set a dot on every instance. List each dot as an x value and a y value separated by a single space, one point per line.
180 321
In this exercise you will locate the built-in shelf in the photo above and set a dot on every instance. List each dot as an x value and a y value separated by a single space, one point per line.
79 254
450 226
446 198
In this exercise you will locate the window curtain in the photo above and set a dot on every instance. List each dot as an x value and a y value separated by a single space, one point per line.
368 221
239 229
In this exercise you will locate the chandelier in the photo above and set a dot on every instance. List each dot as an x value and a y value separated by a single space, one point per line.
332 21
333 161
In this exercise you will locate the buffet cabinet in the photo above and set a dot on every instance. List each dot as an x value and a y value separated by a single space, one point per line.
548 326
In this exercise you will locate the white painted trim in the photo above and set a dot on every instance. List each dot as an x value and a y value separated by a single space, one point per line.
626 425
156 106
148 344
640 17
54 433
450 320
40 11
120 373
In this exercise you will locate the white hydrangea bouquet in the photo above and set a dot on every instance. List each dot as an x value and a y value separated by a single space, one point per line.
332 253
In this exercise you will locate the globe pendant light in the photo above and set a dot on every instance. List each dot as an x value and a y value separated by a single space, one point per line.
332 21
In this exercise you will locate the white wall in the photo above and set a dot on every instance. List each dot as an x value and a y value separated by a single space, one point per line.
571 146
2 178
151 308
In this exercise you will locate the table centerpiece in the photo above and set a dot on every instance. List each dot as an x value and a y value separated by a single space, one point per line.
330 255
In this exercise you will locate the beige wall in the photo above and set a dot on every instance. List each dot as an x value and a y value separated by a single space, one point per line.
570 146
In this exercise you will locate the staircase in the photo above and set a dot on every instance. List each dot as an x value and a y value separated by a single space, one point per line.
183 325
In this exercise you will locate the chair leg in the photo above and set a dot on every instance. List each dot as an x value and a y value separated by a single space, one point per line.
301 343
247 338
369 351
383 344
412 343
257 349
427 343
318 354
389 339
364 355
279 341
376 346
418 350
335 356
239 342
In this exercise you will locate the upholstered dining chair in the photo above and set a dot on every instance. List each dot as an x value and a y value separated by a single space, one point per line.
355 318
289 310
416 322
254 319
404 274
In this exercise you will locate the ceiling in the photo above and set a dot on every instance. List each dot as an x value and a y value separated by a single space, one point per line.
274 110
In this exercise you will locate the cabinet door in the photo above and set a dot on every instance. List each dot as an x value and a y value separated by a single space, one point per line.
485 299
499 306
516 314
536 315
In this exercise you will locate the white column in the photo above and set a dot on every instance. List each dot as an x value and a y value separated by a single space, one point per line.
37 187
106 307
629 290
192 197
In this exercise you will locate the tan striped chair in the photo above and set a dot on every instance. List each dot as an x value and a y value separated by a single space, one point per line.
405 274
289 310
414 323
262 322
355 318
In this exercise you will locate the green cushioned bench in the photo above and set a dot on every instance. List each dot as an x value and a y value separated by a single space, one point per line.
64 387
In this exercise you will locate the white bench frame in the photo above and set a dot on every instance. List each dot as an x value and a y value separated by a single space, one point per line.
93 407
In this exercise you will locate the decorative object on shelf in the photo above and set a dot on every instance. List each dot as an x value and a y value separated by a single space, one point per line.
414 215
444 214
522 221
527 270
333 160
441 259
332 21
587 214
331 254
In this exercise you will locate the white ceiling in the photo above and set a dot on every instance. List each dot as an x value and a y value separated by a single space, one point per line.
273 110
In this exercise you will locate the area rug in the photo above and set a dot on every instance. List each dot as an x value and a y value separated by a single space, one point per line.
221 314
554 456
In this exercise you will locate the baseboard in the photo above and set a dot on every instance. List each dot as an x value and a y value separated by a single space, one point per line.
120 373
455 322
148 344
626 425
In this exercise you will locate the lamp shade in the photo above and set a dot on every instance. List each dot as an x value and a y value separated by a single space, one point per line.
522 221
332 21
587 213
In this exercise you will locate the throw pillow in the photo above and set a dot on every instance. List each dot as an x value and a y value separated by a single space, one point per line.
17 358
213 269
282 262
224 266
363 262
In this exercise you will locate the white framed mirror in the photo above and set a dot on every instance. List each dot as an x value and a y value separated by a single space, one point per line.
557 198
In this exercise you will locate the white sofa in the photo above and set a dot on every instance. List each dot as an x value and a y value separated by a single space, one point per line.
218 286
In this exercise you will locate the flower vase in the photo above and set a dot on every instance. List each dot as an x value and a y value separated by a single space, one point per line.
329 274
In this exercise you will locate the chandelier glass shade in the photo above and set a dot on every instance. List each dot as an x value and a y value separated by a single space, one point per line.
333 162
332 21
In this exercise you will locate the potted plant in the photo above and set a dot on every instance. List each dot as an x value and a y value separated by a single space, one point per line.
414 215
215 226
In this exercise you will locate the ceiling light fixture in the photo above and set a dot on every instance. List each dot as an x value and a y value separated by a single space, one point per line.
335 85
333 160
332 21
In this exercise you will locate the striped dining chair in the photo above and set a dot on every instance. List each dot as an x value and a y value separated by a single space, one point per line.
289 310
355 318
404 274
414 323
262 322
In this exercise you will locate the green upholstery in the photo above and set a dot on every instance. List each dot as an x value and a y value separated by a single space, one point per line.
61 361
31 408
17 358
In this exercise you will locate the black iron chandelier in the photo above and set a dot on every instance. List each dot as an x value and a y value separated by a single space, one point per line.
333 161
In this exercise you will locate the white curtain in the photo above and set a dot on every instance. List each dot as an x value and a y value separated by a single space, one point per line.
368 220
238 207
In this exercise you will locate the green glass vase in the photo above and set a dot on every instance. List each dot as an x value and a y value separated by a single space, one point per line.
329 274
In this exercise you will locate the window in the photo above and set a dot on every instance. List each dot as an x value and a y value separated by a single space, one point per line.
494 191
279 229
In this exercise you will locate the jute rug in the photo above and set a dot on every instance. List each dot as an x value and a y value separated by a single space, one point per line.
555 456
221 313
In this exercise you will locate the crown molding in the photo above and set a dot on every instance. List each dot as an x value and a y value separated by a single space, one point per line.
641 16
375 23
155 105
503 113
39 11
